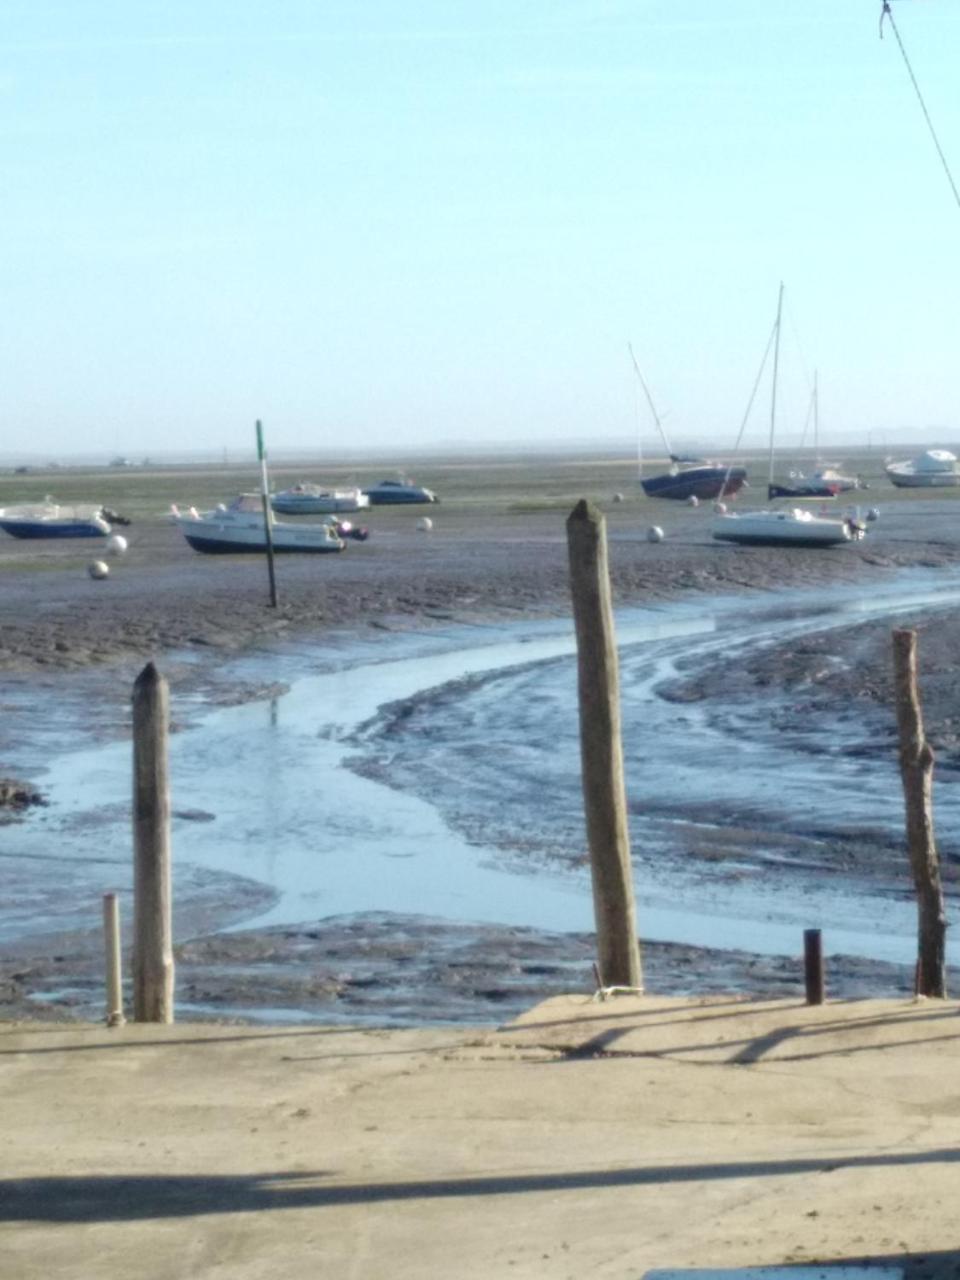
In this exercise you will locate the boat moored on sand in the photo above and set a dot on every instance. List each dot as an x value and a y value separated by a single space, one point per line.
51 519
240 527
933 469
306 498
794 527
397 493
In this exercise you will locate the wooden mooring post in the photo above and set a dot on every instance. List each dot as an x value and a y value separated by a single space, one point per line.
152 907
916 771
601 749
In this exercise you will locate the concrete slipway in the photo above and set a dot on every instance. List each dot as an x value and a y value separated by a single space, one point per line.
586 1139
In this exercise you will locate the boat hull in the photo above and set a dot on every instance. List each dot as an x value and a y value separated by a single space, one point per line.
295 504
701 482
935 480
398 495
786 529
213 544
54 529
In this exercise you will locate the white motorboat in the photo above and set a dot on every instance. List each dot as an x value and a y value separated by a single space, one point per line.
789 528
240 527
312 499
49 519
933 469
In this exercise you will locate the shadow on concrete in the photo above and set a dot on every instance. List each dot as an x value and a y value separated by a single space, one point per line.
117 1199
751 1049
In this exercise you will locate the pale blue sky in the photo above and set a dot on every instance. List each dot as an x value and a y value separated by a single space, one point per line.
440 222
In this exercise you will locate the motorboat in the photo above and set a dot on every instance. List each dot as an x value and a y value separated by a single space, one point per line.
240 527
933 469
795 527
312 499
685 477
398 492
51 519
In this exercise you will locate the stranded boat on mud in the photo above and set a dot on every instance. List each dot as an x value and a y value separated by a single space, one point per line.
312 499
934 469
52 520
685 477
794 528
398 492
240 527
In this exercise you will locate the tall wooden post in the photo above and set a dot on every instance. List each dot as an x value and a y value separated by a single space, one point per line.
916 770
152 924
267 513
601 749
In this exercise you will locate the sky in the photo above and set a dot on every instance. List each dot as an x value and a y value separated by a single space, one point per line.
439 223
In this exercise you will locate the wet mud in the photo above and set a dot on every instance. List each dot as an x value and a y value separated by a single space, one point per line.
389 968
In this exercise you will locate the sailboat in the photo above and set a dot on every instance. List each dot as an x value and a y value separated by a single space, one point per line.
796 527
826 481
687 477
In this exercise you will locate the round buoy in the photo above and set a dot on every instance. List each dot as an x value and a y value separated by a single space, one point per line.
873 514
116 544
693 501
720 508
98 569
618 497
654 533
424 524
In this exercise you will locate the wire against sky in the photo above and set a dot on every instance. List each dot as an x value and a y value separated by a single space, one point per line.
887 12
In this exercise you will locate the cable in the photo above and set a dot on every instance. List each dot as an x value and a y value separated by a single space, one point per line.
887 12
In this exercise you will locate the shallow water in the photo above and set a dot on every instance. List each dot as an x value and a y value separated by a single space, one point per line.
485 809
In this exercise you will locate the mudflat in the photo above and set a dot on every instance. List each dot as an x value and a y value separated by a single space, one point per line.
496 551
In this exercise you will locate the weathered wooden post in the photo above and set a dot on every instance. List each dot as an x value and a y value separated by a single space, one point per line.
152 925
601 749
916 770
111 946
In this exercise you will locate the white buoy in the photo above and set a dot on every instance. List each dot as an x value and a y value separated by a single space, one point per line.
654 533
424 524
618 497
116 544
720 508
693 501
98 569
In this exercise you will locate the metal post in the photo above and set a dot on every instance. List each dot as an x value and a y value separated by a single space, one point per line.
813 965
152 908
111 943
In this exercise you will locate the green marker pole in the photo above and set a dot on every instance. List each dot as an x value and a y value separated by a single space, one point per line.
267 512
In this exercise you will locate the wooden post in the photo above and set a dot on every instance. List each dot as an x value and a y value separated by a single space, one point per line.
916 770
813 965
111 944
152 926
601 750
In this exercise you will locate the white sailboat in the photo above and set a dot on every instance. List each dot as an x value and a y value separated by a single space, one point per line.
793 527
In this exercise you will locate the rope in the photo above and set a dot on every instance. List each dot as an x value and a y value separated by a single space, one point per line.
887 12
743 424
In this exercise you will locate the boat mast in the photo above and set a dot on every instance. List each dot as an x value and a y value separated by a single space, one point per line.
776 363
816 421
653 407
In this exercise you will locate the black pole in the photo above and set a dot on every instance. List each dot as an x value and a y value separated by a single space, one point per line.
813 965
267 525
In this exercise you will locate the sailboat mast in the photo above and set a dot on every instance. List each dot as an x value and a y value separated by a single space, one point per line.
816 419
776 364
